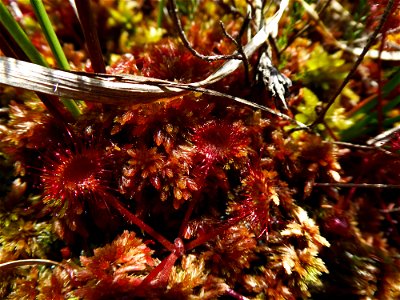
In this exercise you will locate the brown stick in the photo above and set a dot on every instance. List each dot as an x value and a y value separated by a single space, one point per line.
89 29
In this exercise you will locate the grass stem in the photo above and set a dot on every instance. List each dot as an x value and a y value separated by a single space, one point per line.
49 33
20 36
56 49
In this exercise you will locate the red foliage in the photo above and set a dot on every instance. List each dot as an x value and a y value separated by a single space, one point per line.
125 65
76 175
218 142
116 270
169 60
395 142
144 164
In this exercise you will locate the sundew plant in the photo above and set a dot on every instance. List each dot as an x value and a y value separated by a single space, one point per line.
199 149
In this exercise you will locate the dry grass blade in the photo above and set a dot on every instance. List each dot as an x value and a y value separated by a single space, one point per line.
107 90
357 185
103 88
27 262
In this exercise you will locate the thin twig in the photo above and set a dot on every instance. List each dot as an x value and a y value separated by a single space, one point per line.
174 14
364 39
239 45
27 262
270 28
369 44
275 53
358 185
315 16
362 147
379 100
372 53
231 293
390 210
383 137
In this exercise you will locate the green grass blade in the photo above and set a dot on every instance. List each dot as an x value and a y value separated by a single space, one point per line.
368 110
161 6
49 33
56 49
369 120
20 36
389 87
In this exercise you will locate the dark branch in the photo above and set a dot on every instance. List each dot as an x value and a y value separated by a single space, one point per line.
87 22
173 10
239 45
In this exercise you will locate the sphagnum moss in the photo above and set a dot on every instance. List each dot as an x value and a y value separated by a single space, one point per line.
196 196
